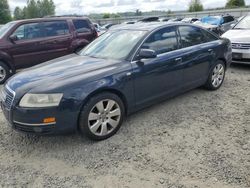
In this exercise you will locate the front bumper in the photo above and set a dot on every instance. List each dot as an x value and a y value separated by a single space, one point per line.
241 56
31 120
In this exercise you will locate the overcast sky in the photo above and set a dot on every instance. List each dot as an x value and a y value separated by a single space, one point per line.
113 6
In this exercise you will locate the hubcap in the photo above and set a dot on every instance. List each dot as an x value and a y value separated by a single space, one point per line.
104 117
218 75
2 73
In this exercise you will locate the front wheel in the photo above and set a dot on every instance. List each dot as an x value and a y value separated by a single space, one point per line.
4 72
102 116
216 76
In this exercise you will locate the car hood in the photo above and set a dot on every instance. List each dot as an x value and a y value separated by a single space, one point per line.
237 35
60 72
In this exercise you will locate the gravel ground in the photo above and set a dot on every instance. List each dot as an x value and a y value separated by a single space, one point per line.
198 139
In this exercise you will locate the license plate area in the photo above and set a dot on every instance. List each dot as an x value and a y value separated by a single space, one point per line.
237 55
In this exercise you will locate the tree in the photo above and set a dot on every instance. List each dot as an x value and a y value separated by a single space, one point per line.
18 13
32 10
138 12
5 15
46 8
195 6
235 3
106 15
35 9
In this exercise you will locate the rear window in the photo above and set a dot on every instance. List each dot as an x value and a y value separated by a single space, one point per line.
56 28
81 26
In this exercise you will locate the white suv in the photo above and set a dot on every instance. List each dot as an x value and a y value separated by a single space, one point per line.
239 36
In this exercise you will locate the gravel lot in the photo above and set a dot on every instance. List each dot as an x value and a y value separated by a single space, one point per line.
198 139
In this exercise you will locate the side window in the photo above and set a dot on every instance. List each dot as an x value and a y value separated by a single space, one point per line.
228 19
191 36
56 28
210 37
82 26
28 31
162 41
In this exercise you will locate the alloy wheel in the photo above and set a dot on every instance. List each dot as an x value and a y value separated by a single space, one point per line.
104 117
2 73
218 75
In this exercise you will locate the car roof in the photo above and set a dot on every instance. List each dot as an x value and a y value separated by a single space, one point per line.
53 18
148 26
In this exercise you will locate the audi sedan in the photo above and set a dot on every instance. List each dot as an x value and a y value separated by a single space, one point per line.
124 70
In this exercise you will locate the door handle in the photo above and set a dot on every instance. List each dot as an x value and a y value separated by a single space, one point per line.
179 59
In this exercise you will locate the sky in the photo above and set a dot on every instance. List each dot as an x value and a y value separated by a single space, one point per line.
112 6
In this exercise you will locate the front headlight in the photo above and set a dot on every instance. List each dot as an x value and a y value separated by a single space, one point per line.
40 100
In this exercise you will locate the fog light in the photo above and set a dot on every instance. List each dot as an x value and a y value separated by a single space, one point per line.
49 120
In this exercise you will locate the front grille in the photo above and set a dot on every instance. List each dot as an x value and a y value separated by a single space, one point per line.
8 97
245 46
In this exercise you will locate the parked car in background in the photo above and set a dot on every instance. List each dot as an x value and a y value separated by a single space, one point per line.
107 26
218 24
239 36
124 70
190 20
100 30
150 19
29 42
213 28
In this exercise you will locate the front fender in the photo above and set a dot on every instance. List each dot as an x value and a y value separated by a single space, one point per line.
8 60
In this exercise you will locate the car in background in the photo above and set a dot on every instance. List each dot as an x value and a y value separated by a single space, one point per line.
213 28
239 36
26 43
107 26
100 30
124 70
150 19
217 24
190 20
175 19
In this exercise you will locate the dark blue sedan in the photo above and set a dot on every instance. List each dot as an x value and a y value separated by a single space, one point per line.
126 69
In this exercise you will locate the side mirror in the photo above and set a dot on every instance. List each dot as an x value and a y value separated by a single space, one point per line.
13 38
147 54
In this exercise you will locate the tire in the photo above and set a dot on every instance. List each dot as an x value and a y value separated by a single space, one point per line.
101 116
216 76
4 72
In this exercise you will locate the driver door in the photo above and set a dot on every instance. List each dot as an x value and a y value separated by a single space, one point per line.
161 76
28 50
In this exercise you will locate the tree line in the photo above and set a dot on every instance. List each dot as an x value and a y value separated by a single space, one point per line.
33 9
41 8
196 5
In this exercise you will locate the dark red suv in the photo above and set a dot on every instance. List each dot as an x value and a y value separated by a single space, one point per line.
29 42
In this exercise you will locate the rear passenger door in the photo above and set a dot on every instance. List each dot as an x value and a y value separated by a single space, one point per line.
57 39
83 32
197 55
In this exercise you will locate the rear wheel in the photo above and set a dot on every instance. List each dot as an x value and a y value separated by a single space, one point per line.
4 72
102 116
216 76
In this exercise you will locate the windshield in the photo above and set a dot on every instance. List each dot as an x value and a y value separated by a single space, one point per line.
243 24
4 29
113 45
213 20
